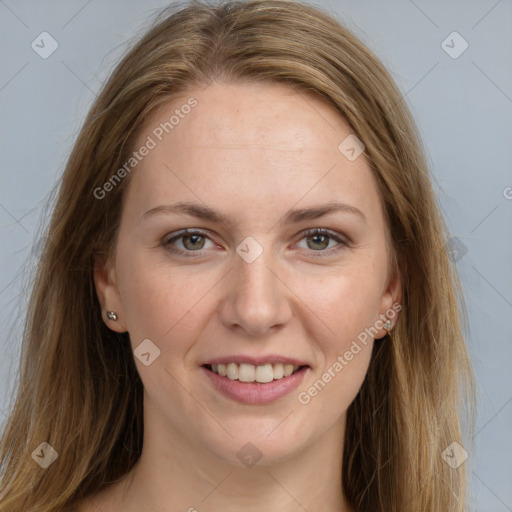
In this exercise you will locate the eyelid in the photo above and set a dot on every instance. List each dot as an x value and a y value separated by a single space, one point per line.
325 231
186 231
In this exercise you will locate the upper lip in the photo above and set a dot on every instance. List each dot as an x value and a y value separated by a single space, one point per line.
255 360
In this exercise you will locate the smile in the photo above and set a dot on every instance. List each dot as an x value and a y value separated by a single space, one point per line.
245 372
254 383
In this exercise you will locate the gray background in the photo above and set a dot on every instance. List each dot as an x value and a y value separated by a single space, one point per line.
462 105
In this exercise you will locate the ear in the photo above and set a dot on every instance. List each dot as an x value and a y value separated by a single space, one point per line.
108 294
391 303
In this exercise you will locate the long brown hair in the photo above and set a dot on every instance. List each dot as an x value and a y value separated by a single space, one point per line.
79 390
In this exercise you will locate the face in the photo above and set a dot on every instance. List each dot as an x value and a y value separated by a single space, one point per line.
284 266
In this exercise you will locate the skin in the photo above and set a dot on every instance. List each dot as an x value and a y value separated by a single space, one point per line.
251 152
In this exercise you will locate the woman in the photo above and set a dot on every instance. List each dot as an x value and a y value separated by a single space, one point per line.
245 298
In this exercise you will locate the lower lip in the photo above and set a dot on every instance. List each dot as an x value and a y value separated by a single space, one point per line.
256 392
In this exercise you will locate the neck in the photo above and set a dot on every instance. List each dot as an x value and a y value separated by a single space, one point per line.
174 474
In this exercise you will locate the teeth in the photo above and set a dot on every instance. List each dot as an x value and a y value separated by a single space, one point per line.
246 373
249 373
222 370
288 369
264 373
278 371
232 371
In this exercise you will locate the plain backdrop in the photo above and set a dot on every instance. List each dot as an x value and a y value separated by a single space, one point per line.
461 99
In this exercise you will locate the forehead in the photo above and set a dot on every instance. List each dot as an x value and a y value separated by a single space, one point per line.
249 142
256 117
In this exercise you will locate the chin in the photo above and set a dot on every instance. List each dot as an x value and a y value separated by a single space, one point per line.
263 444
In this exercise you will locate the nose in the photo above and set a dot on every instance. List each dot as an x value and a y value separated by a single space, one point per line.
257 299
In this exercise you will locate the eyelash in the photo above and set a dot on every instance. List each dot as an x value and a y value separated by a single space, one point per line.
309 232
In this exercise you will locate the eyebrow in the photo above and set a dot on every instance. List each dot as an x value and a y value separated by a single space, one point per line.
293 216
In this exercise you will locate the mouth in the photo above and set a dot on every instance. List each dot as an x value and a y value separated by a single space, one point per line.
262 374
255 383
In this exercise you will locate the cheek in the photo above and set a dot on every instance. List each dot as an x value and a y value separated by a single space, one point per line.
342 313
160 301
147 302
344 308
346 302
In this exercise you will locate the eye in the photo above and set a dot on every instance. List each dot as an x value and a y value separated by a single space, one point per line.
319 240
188 240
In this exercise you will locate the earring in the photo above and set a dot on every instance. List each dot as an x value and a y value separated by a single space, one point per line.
387 327
111 315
